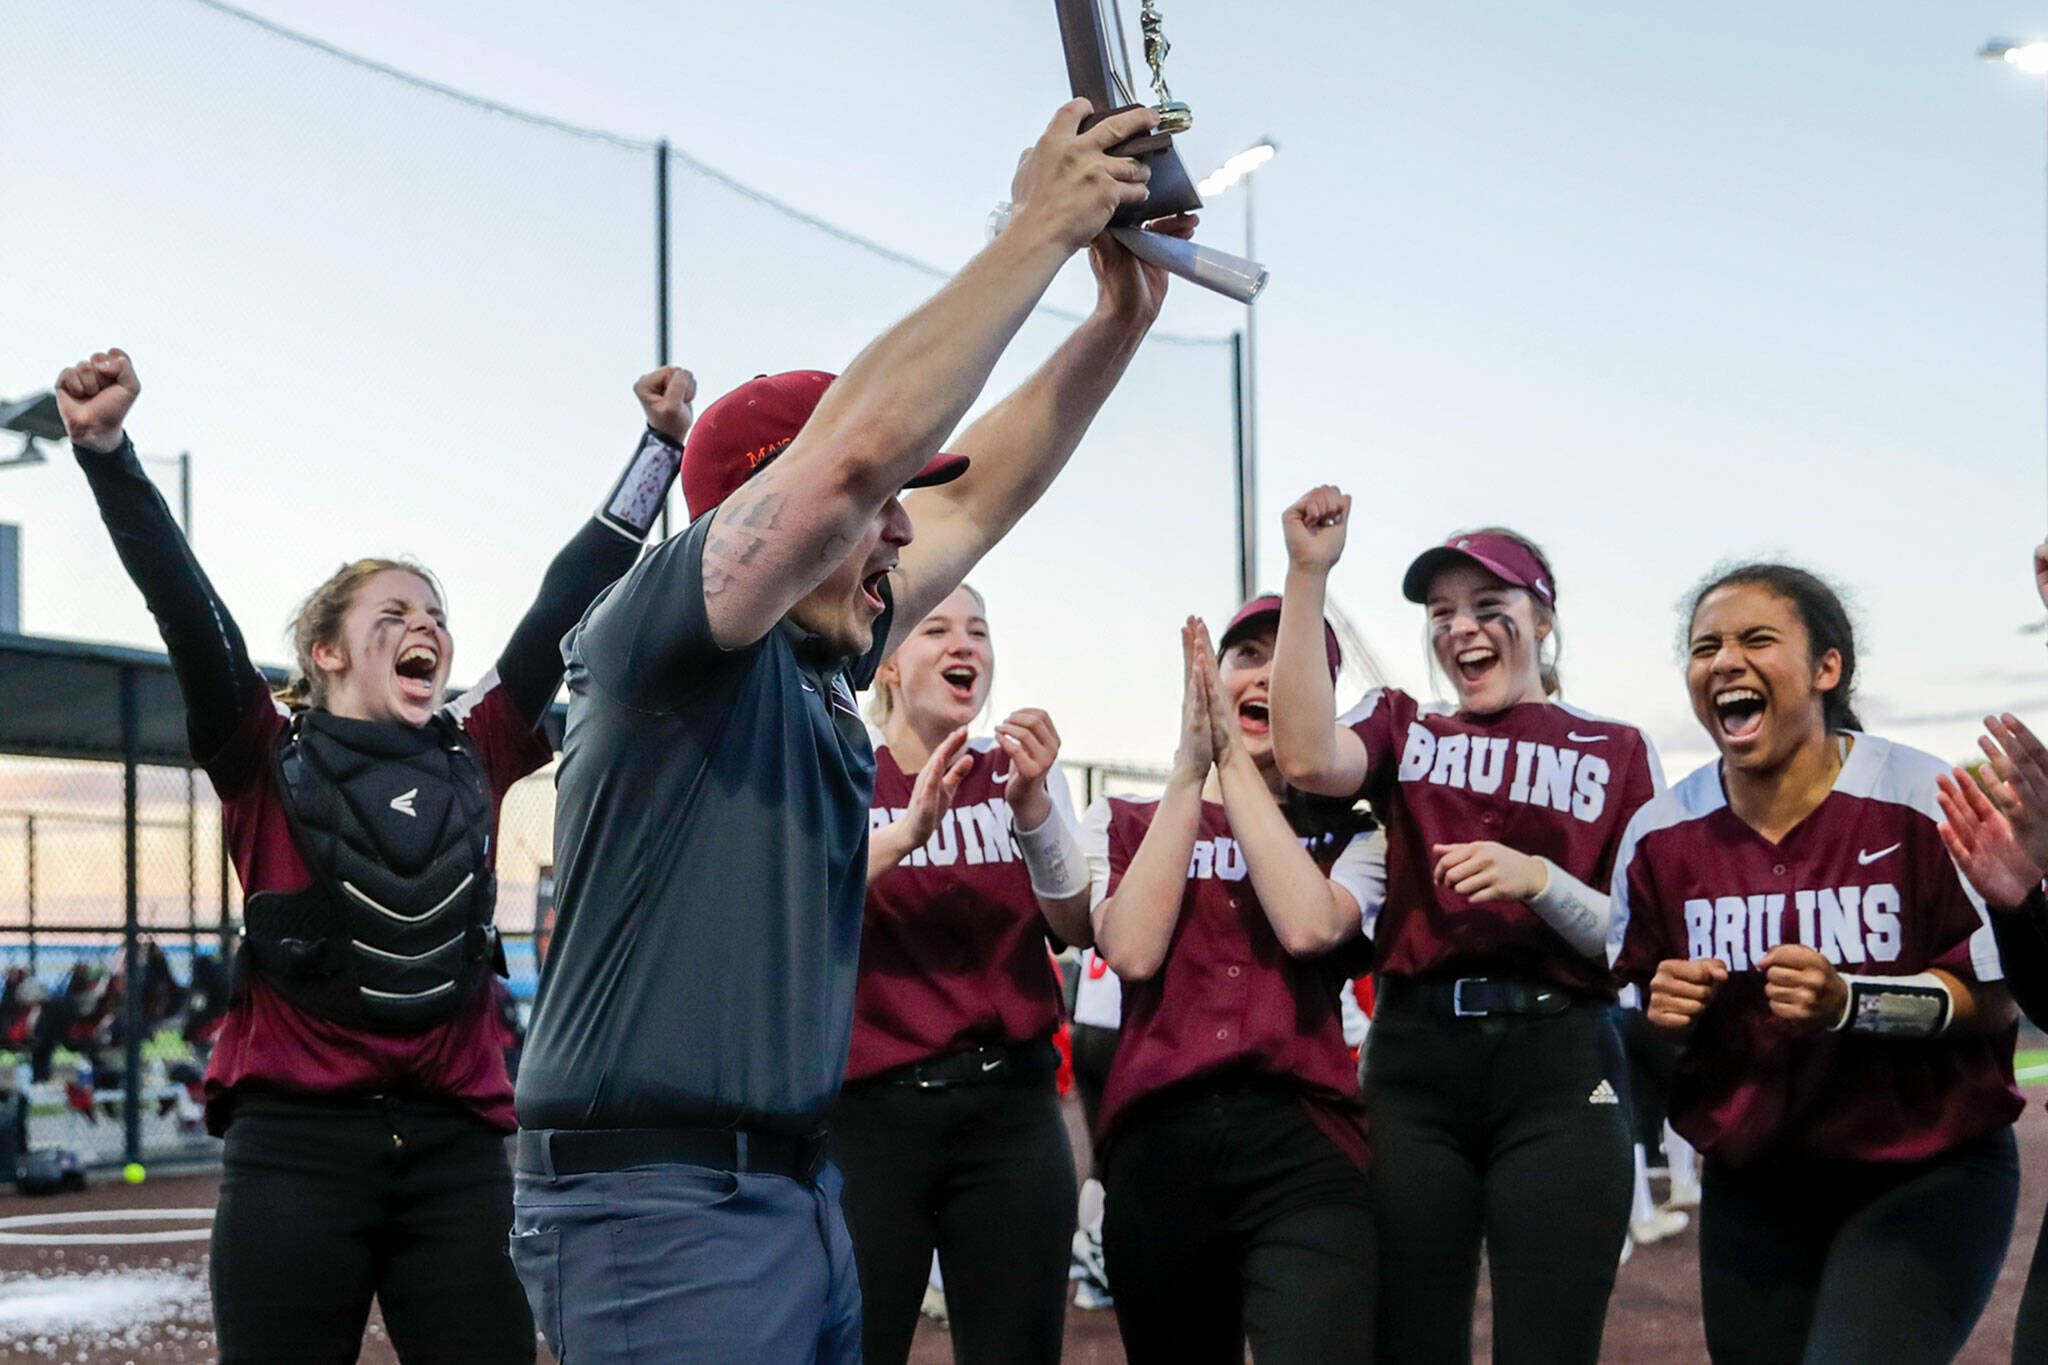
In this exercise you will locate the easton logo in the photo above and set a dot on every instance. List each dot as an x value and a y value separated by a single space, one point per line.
403 803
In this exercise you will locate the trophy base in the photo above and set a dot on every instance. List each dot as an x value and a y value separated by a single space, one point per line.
1174 117
1170 191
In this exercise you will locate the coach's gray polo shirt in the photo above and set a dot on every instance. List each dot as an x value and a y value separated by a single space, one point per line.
711 839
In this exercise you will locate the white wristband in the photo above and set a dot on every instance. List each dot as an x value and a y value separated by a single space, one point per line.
1054 857
1896 1006
1578 912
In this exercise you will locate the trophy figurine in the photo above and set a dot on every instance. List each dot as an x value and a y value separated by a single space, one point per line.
1174 117
1099 71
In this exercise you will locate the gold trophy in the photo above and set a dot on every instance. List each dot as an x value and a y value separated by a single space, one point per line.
1174 117
1092 34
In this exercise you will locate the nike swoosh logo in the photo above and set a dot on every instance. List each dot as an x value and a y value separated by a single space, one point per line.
402 803
991 1066
807 686
1575 737
1866 859
1001 777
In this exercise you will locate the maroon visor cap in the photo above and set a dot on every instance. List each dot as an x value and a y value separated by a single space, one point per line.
1502 556
1264 611
738 435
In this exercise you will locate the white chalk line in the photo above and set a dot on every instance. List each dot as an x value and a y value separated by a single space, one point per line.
8 1237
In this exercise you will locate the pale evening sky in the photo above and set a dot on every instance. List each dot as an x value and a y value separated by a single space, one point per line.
1656 285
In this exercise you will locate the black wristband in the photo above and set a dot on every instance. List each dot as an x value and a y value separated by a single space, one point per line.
634 504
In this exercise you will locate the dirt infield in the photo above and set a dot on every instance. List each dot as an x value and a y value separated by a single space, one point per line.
146 1302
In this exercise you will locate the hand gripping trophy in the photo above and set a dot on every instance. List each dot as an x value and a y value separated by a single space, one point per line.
1099 70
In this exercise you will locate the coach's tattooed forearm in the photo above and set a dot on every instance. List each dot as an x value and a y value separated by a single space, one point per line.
740 529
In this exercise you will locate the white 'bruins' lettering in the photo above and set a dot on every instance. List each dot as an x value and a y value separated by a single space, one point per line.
1538 775
972 834
1848 925
1222 858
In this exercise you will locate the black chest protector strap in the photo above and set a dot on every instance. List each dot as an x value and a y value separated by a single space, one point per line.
394 933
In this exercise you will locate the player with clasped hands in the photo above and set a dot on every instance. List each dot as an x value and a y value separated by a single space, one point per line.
1235 1148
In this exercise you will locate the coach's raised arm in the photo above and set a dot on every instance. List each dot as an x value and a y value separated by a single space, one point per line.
816 517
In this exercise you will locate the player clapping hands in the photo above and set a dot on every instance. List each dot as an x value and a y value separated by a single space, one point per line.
1233 1137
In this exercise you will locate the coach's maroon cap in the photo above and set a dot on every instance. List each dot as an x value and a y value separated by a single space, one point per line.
1502 556
1264 611
750 426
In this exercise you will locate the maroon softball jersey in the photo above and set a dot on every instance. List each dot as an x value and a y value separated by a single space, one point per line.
1228 997
1864 880
952 943
1542 778
267 1043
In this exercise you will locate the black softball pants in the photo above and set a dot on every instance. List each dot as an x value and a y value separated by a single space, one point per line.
2030 1332
1511 1130
1652 1065
1834 1262
1230 1217
1094 1051
981 1173
325 1205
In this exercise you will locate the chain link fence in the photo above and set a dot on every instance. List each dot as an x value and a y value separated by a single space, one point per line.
63 947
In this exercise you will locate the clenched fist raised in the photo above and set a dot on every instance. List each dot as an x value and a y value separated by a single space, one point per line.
1315 528
94 397
665 396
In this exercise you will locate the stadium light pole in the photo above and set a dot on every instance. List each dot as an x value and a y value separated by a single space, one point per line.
2031 58
661 278
1240 168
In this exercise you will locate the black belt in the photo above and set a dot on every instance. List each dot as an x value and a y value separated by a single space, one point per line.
975 1066
1475 997
575 1151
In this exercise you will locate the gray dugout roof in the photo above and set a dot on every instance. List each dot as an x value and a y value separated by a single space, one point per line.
62 699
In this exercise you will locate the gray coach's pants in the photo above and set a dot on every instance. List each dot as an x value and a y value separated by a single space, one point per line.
685 1263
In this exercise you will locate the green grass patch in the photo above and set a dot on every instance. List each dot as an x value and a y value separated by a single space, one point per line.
2030 1066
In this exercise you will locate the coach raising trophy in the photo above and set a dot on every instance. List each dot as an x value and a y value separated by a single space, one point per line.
692 1022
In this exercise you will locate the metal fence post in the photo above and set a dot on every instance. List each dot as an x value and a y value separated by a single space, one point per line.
131 996
31 822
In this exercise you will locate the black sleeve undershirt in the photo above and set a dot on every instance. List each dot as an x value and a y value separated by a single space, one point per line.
212 664
2022 935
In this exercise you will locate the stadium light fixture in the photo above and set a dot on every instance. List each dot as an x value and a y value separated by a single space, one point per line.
36 418
1240 166
2031 58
